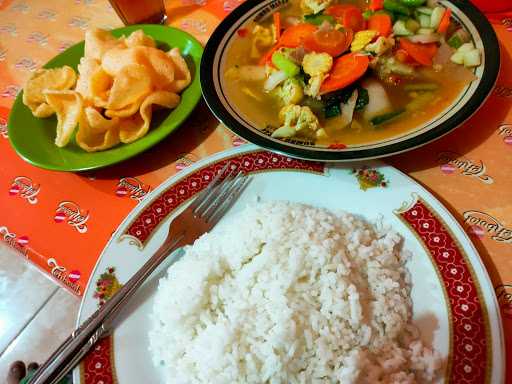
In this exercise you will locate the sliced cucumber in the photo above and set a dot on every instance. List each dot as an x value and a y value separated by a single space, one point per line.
466 47
425 31
424 20
458 58
472 58
435 18
424 10
399 29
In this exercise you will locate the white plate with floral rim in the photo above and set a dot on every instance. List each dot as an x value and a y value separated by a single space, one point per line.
454 304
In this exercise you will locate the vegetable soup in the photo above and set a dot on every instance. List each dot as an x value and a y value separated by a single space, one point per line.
327 72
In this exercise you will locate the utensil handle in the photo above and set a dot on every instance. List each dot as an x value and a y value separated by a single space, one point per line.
87 334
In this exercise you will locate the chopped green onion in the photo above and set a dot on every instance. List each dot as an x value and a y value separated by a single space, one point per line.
459 37
455 41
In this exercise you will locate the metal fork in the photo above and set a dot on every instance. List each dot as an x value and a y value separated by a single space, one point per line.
199 217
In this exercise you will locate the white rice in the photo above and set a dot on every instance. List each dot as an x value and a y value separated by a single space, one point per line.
288 293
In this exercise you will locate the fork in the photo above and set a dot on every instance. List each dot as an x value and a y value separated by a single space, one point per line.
199 217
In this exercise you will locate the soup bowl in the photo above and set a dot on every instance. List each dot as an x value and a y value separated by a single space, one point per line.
245 120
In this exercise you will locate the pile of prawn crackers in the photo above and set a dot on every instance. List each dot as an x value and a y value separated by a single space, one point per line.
111 99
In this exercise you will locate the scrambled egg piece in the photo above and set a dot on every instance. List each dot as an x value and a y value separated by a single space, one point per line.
314 6
361 39
316 65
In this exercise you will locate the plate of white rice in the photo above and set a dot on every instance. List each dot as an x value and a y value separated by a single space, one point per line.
349 273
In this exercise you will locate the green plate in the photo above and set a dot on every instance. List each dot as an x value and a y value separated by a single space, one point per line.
33 138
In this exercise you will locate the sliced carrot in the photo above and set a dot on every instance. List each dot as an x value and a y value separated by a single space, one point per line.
376 5
422 53
294 36
348 15
445 21
345 70
381 23
431 49
332 42
277 24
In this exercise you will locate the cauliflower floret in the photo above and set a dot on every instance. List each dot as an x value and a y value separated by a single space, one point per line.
300 118
262 38
314 6
291 92
361 39
381 46
313 86
316 63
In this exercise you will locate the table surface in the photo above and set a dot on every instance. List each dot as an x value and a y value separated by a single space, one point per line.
475 186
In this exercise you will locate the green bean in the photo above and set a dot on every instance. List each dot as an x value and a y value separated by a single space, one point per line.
381 119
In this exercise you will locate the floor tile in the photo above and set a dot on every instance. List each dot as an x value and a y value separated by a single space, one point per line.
44 333
23 290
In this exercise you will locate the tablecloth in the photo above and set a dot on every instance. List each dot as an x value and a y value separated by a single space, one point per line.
62 221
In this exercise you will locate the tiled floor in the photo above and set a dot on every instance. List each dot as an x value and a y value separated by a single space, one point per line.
35 314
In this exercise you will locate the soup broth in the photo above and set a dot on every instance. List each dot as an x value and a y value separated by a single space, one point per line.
411 93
